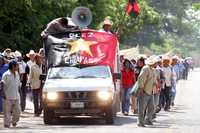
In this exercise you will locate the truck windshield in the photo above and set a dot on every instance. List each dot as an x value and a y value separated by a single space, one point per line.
75 73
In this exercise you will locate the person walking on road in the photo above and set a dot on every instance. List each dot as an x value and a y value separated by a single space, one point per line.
157 87
175 75
35 72
128 80
139 65
23 77
3 69
146 83
11 85
167 85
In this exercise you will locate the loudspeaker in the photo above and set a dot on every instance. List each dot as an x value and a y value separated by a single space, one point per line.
82 16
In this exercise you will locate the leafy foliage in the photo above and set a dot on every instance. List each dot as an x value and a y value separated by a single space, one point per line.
22 21
161 26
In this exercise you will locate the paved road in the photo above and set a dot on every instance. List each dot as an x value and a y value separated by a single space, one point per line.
183 118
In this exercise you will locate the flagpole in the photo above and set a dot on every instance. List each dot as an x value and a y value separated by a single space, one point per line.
119 28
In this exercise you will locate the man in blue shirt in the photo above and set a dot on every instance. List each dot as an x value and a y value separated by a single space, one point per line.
3 68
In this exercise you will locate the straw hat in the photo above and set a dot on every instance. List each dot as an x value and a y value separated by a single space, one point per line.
31 52
7 52
107 22
166 58
158 59
150 61
175 57
11 55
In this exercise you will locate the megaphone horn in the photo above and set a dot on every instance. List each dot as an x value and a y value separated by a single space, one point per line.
82 16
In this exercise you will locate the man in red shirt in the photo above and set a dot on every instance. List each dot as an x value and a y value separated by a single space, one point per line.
128 80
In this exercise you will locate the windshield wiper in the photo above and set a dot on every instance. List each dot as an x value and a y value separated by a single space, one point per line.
85 77
58 77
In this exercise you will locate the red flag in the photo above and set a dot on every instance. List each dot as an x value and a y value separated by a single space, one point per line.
89 48
132 8
102 48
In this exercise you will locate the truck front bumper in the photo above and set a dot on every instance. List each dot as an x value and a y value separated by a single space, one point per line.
78 107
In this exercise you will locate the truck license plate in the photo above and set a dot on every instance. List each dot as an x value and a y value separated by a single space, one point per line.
77 105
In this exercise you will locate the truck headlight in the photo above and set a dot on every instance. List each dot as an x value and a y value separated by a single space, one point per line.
104 95
52 96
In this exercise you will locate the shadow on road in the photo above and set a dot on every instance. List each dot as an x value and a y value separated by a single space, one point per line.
119 120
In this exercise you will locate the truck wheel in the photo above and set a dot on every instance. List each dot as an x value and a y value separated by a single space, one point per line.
109 117
49 116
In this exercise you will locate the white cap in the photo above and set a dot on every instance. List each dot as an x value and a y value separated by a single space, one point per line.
18 54
31 52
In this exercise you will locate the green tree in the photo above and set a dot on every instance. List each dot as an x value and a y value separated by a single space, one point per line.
22 21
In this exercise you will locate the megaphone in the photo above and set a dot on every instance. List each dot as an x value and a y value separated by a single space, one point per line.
82 16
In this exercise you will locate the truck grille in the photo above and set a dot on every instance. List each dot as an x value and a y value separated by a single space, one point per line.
80 95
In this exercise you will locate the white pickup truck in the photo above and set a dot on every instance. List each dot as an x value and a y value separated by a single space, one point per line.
86 91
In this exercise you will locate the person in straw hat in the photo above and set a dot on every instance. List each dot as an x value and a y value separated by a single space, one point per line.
146 83
31 56
30 63
167 84
107 24
175 68
6 52
35 72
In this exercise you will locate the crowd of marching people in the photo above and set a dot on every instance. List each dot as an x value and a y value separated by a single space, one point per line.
155 78
19 74
149 84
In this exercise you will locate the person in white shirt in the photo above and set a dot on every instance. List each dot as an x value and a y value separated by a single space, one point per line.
30 63
107 24
35 72
175 70
23 78
11 85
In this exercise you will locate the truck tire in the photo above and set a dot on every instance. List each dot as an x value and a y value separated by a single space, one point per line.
48 117
109 116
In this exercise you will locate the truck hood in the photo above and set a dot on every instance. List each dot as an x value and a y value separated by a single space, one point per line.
89 84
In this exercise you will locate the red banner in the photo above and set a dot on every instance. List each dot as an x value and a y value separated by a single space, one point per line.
85 47
102 48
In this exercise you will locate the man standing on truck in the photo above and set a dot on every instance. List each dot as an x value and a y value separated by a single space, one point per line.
58 25
107 24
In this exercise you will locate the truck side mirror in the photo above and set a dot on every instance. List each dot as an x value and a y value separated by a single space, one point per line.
43 76
117 75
